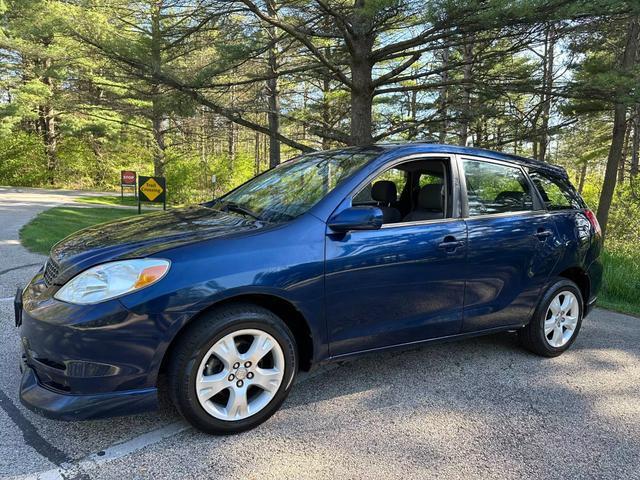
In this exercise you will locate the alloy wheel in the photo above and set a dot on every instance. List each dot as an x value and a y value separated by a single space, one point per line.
561 319
240 374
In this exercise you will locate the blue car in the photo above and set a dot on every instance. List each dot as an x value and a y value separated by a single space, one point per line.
330 255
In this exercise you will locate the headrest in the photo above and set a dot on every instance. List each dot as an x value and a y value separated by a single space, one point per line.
384 191
510 198
430 197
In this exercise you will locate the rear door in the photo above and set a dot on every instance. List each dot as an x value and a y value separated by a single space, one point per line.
512 244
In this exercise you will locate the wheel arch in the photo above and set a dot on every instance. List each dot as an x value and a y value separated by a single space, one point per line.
580 277
284 309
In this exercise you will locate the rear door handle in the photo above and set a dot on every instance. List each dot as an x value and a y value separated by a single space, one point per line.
542 234
450 244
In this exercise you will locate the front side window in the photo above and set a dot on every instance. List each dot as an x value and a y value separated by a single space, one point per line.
494 188
393 175
413 191
556 193
292 188
429 179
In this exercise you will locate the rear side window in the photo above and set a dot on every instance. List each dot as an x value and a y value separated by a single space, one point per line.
494 188
556 193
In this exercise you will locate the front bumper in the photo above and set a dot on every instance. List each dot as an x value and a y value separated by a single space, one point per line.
88 362
60 406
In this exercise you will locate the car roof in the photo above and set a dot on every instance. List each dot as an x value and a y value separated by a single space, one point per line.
420 147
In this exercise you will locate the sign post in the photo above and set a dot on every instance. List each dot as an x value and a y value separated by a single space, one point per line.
152 189
127 179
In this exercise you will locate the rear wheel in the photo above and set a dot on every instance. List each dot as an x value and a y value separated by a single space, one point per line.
556 322
232 369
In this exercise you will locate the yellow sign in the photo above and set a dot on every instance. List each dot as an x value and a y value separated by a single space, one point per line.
151 189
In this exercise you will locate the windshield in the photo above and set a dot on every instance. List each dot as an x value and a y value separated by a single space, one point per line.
292 188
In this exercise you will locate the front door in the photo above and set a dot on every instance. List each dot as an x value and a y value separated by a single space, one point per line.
394 285
405 282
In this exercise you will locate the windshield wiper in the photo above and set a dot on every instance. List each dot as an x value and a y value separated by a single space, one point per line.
235 207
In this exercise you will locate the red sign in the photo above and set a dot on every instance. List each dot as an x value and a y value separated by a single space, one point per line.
128 178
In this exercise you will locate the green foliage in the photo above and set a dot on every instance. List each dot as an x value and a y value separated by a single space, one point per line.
621 282
186 180
22 160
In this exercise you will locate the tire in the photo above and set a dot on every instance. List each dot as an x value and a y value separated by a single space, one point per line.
214 355
565 331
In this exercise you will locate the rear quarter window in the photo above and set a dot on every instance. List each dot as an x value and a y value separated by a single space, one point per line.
557 193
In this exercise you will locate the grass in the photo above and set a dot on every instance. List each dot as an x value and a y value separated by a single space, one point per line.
111 200
52 225
621 283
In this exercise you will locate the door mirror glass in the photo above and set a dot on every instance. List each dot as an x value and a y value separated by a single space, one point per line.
356 218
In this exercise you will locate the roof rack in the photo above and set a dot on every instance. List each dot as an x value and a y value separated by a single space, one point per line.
405 142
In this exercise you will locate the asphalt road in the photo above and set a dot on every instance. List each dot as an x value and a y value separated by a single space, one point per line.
480 408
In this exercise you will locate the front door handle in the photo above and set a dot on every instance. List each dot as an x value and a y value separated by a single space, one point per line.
450 244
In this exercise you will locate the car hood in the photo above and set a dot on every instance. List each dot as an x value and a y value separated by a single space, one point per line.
146 235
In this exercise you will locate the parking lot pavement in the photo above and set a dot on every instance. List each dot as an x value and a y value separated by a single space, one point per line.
480 408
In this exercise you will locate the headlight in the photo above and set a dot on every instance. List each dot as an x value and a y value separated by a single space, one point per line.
111 280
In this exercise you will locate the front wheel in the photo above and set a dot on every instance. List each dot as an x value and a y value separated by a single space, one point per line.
232 369
556 322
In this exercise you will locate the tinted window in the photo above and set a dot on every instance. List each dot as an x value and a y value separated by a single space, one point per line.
556 193
494 188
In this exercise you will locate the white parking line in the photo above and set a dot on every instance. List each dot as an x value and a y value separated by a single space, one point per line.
7 299
119 450
110 454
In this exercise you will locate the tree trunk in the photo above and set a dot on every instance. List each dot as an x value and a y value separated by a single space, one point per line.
47 127
444 124
625 152
467 57
231 140
619 127
547 87
206 180
326 111
361 100
583 176
256 153
361 77
479 132
635 145
157 110
231 130
49 136
157 127
412 132
272 90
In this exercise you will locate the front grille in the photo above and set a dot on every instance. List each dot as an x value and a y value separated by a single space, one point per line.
51 271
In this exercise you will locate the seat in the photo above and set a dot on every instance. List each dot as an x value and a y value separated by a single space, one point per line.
430 201
509 200
384 192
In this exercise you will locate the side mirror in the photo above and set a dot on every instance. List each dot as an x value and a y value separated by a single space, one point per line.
356 218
